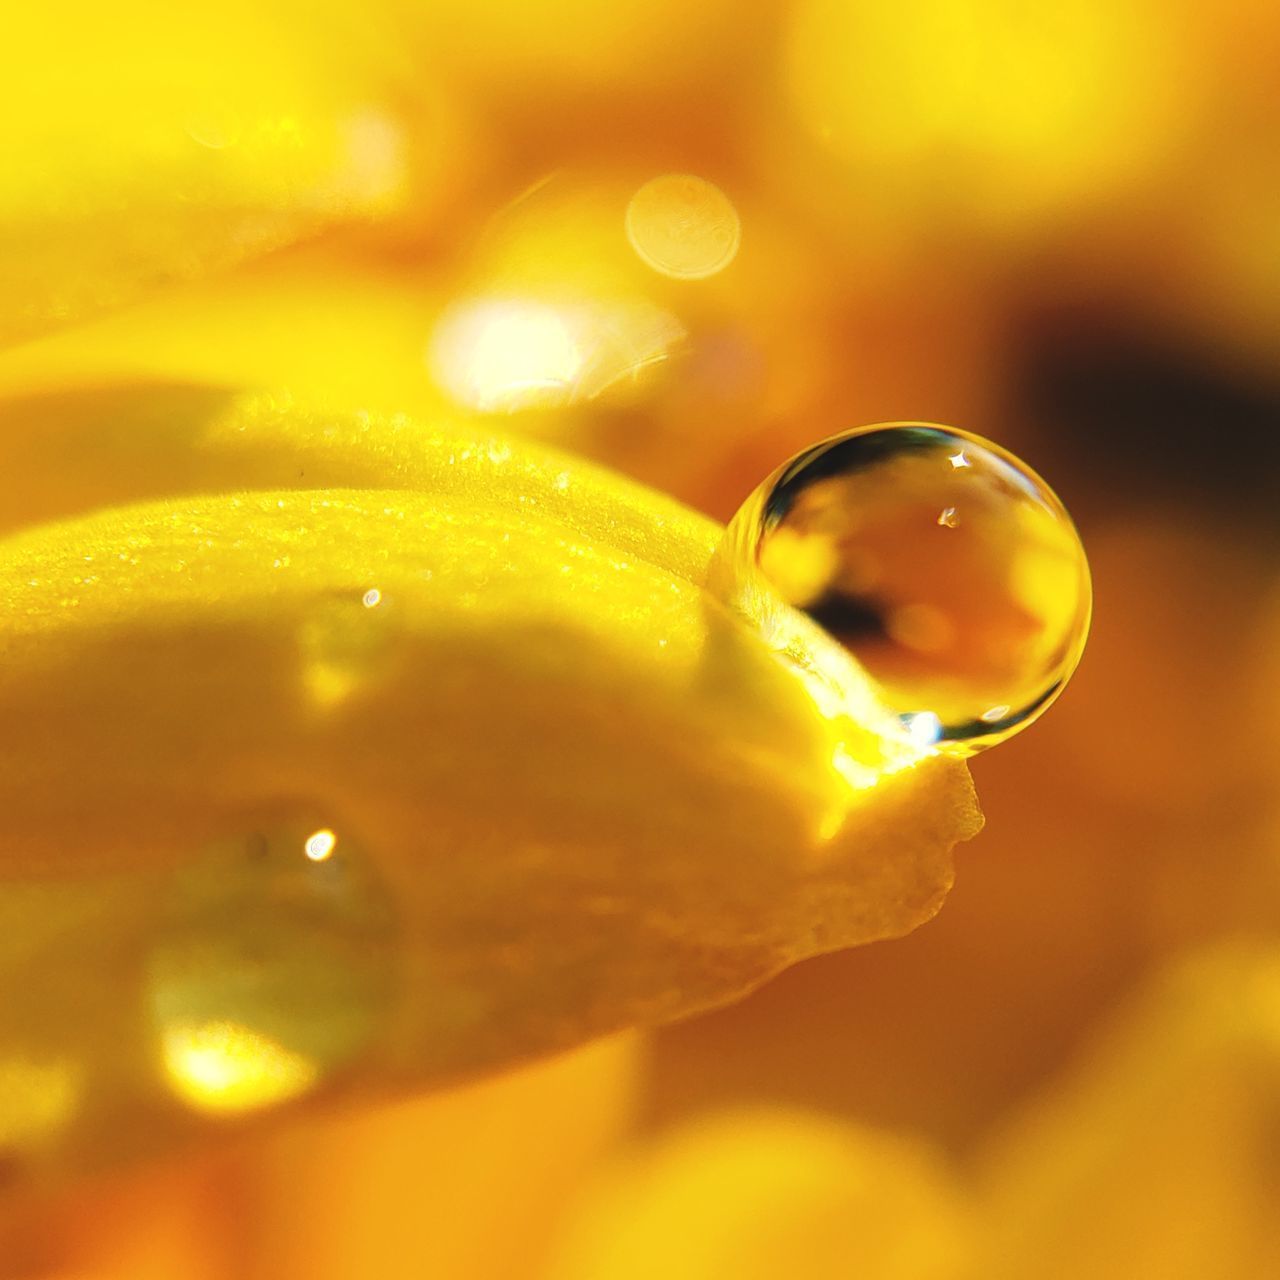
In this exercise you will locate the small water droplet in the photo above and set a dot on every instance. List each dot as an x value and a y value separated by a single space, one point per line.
967 637
347 644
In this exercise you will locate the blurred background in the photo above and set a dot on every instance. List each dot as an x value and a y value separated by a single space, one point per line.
688 239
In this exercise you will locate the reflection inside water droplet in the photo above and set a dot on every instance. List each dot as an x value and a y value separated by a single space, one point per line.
947 568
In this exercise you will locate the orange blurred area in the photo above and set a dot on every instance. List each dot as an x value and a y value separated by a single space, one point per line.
688 240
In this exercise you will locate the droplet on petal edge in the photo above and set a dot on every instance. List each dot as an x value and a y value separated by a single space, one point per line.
942 565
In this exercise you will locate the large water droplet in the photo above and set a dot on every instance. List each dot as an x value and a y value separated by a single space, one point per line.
946 567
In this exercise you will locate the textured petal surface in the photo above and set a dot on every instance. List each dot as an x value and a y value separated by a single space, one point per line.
322 791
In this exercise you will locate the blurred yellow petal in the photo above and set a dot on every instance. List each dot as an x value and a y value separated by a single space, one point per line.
318 320
985 112
550 316
568 791
762 1195
154 1225
563 46
419 1187
146 143
1155 1156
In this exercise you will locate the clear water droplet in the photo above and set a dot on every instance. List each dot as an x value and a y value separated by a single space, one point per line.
946 567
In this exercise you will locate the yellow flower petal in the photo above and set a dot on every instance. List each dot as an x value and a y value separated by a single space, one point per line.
1152 1156
149 143
467 1184
567 791
763 1195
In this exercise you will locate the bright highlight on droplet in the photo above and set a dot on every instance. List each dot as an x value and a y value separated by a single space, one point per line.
224 1068
683 226
925 728
371 598
320 844
948 569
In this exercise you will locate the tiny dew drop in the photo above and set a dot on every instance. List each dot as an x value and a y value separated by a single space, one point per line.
347 644
946 567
